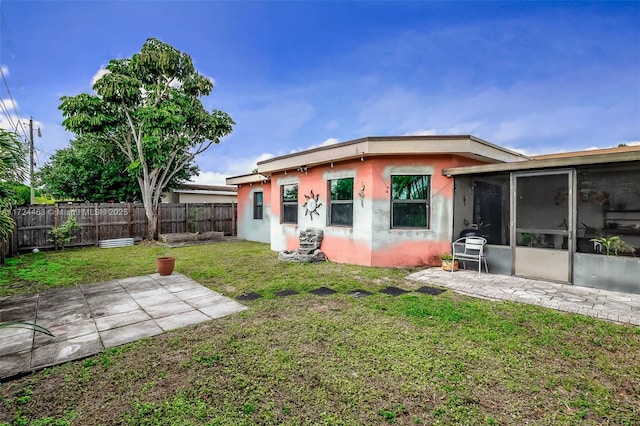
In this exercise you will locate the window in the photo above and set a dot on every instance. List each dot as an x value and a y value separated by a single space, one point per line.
341 202
290 203
608 204
257 205
409 201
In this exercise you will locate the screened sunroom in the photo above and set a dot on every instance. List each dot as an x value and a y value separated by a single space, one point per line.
571 218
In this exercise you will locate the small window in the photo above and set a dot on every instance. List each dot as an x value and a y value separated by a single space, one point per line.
409 201
341 202
257 205
290 203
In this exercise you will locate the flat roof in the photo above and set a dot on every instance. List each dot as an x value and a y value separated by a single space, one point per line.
193 188
563 159
248 178
461 145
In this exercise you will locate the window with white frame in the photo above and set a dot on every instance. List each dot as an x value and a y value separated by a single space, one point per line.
257 205
289 195
410 201
341 202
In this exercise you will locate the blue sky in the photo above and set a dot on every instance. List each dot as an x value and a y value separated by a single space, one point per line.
537 77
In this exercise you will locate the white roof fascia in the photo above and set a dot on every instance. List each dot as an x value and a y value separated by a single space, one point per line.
204 191
244 179
467 146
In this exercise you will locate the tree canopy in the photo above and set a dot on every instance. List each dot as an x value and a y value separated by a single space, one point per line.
95 171
149 107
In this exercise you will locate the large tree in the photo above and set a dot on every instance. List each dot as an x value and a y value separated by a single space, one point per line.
149 107
12 168
95 170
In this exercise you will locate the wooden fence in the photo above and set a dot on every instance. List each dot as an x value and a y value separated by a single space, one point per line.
103 221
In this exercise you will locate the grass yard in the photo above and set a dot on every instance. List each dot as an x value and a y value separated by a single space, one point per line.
334 360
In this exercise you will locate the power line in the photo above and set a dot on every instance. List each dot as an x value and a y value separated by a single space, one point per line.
13 102
3 25
5 110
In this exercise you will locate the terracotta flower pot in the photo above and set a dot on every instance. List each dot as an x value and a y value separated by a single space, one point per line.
165 265
446 265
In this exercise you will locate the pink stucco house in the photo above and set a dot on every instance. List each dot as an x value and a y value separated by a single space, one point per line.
381 201
401 201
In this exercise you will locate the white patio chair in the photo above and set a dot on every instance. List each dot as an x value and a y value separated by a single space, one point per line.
470 249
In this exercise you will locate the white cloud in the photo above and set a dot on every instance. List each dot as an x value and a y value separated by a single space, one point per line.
540 116
9 104
422 132
327 142
213 80
210 178
230 166
101 72
13 122
5 70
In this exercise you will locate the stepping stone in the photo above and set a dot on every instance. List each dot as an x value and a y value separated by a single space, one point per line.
323 291
430 290
393 291
360 293
285 293
249 296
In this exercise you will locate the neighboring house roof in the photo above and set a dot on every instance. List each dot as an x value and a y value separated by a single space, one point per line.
588 152
564 159
189 188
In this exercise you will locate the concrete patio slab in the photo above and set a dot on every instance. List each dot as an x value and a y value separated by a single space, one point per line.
65 350
16 361
157 299
16 343
195 292
608 305
65 332
129 333
103 288
181 286
169 309
202 302
119 320
89 318
223 309
181 320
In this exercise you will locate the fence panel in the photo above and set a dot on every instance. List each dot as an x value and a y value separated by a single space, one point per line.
105 221
224 218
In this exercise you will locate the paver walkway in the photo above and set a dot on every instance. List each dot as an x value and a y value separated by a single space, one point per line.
89 318
609 305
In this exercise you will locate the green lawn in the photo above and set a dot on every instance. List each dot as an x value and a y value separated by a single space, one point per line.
305 359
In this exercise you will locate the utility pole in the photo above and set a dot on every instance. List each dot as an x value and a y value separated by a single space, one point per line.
31 183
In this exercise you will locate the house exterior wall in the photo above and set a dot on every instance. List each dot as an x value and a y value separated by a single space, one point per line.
249 228
371 240
204 198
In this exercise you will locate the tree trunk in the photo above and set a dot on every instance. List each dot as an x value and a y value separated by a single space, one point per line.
152 222
150 207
